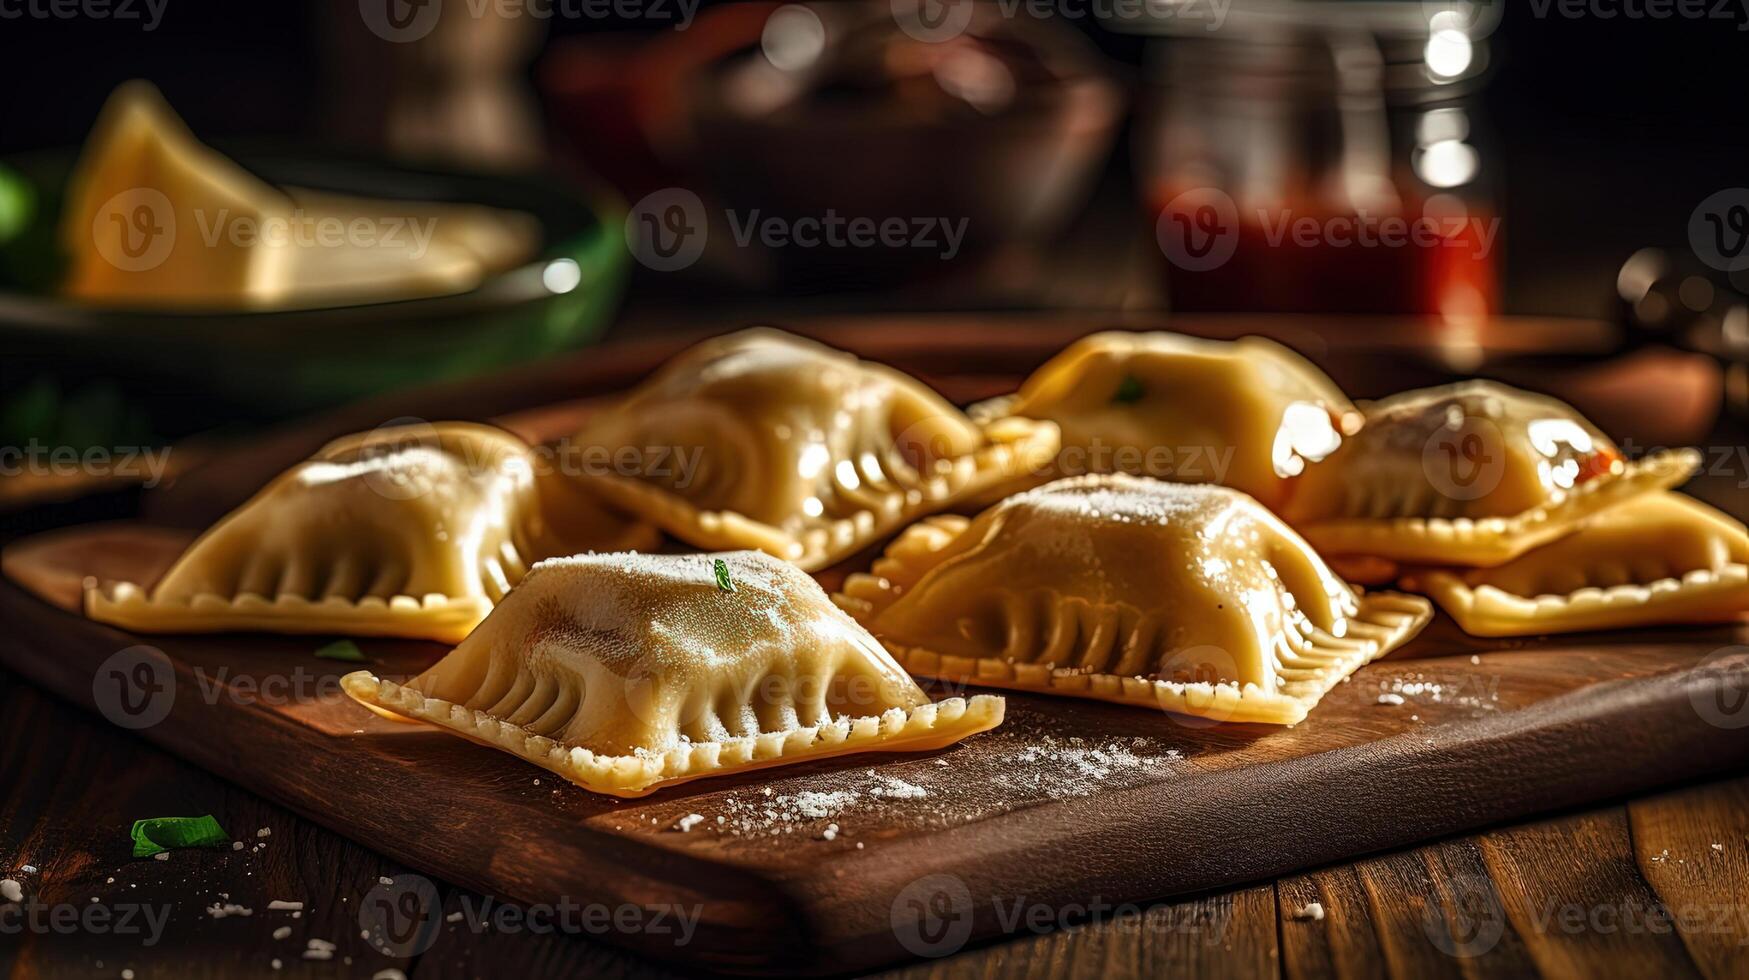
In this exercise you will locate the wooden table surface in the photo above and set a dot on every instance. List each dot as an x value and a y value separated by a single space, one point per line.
1651 887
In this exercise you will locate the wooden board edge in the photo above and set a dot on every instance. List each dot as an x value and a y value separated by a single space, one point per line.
1609 740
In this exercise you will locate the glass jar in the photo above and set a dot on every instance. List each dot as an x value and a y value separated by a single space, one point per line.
1321 158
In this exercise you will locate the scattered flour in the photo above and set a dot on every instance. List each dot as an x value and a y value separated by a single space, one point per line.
893 788
813 804
1475 692
1066 768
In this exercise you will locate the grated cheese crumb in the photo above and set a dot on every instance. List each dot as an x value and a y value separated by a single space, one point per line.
11 890
282 932
686 823
1389 698
278 905
220 911
1312 911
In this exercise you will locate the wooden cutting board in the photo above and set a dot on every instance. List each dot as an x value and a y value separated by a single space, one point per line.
860 861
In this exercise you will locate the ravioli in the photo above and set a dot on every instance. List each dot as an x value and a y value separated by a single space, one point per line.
410 531
1191 598
764 440
1471 474
628 673
1248 414
1660 559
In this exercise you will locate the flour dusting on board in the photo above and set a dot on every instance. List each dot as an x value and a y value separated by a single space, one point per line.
1073 767
1019 769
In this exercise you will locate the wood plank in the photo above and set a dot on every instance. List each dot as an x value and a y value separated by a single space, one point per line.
1692 847
1574 895
74 831
1344 943
1228 935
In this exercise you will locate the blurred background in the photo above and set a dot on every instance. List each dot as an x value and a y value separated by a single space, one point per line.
1551 191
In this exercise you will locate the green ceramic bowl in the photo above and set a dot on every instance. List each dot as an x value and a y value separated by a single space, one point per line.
77 375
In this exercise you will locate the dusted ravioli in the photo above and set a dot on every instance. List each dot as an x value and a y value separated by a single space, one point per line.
1195 599
799 450
627 673
1249 414
1659 559
412 531
1470 474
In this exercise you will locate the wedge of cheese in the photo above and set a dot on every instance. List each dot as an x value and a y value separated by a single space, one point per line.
155 218
151 210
